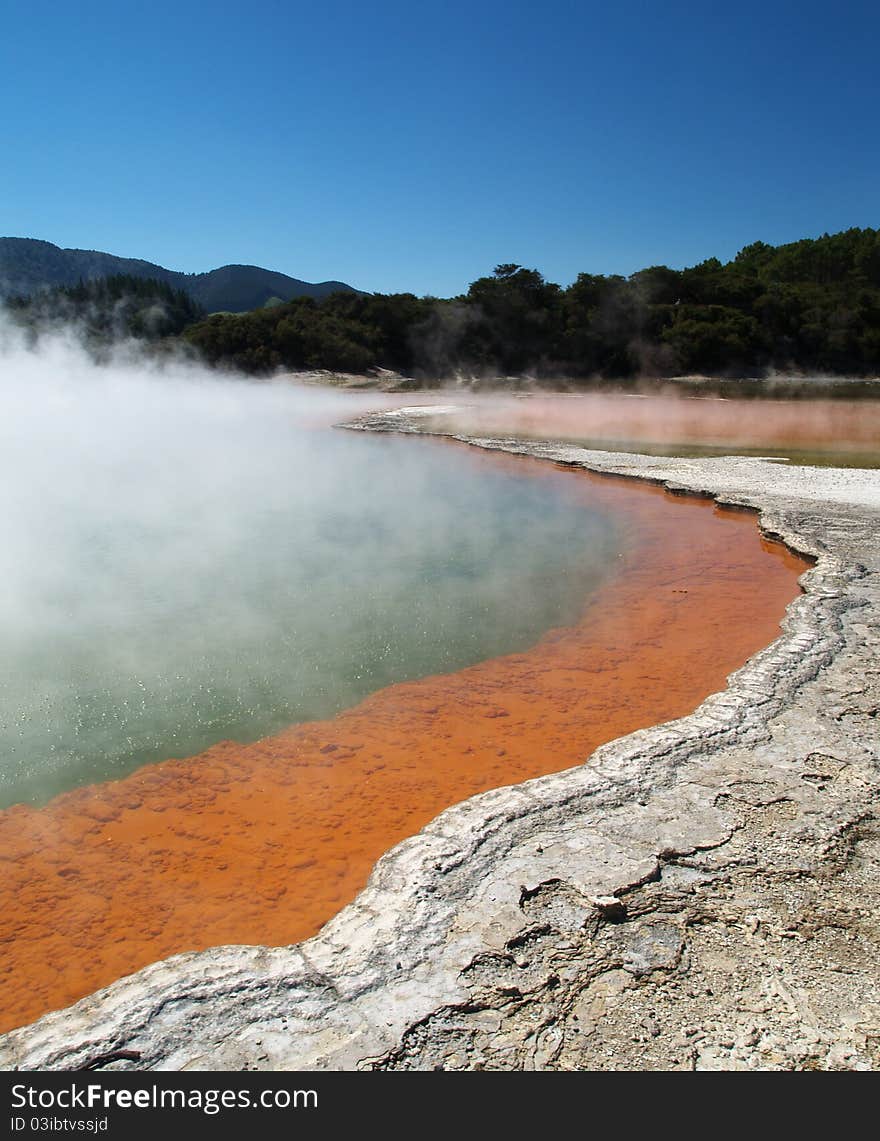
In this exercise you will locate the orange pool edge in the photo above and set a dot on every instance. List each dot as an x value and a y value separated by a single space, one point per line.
263 843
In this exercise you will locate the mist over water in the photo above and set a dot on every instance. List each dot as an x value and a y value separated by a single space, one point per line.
839 432
187 559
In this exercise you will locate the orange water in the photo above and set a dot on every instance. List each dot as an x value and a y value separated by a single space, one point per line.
802 428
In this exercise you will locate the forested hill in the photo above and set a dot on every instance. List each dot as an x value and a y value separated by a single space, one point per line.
28 265
811 306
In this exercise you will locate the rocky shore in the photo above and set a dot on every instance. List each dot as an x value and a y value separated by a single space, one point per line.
699 895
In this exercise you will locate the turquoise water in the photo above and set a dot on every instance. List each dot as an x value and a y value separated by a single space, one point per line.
184 568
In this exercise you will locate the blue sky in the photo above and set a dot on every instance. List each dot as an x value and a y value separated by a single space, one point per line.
401 146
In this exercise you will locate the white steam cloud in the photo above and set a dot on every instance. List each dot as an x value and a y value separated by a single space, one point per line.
186 558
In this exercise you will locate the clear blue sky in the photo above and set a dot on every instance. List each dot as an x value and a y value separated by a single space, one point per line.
406 146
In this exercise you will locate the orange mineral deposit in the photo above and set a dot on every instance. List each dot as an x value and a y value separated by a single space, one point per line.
264 842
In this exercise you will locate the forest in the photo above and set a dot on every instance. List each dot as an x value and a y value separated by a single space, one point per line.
811 306
107 310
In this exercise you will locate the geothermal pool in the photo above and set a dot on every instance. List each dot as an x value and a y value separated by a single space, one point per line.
334 635
841 433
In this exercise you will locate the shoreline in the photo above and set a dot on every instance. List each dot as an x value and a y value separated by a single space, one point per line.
517 919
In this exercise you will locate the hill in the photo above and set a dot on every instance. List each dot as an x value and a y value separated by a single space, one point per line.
28 265
809 307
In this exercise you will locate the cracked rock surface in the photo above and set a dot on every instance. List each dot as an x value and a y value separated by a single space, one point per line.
700 895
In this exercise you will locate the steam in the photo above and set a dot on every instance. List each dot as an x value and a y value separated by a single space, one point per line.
187 558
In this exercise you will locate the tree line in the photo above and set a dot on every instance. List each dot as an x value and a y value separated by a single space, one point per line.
109 309
811 306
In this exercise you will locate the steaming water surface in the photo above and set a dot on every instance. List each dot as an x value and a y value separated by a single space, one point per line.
187 561
839 433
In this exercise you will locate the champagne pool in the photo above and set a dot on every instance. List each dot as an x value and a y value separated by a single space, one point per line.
258 652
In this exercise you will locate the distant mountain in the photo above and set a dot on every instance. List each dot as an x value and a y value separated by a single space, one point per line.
28 265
